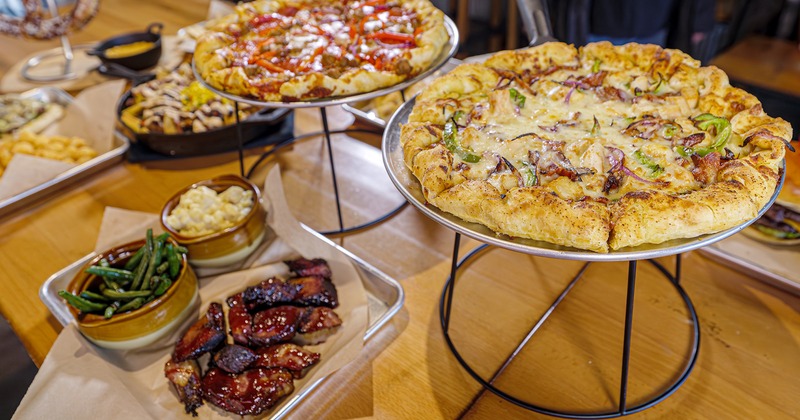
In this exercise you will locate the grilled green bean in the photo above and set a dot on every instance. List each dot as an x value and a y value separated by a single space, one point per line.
110 309
133 262
174 261
161 269
92 296
126 295
141 268
163 285
154 281
131 305
155 261
80 303
113 273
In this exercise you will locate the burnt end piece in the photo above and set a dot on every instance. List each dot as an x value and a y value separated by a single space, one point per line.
250 392
239 320
314 291
203 336
234 358
287 356
303 291
316 267
275 325
271 292
185 378
288 323
316 325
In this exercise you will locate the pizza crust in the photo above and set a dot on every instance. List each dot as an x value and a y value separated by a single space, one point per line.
228 67
574 205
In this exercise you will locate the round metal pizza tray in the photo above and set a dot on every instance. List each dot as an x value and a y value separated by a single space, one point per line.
410 188
448 51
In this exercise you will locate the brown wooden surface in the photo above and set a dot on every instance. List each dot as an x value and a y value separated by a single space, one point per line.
764 62
749 361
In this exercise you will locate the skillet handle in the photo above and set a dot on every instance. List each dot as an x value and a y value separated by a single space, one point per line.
116 70
536 21
155 28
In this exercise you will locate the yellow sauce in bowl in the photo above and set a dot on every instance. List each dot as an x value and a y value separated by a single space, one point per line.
128 50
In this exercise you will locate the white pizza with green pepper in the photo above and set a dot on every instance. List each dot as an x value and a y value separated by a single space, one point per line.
599 148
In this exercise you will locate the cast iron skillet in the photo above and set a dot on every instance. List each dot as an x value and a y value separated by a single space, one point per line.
143 60
218 140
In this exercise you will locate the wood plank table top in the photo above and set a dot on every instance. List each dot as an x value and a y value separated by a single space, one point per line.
749 359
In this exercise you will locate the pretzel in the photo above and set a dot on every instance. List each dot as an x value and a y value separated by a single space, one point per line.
35 25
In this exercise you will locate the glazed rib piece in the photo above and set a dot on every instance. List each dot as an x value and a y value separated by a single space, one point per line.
316 267
316 325
250 392
275 325
302 291
287 323
239 320
203 336
287 356
234 358
185 378
273 291
314 291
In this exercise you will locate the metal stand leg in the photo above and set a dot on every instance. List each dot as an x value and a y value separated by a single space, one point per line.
280 146
327 131
626 346
445 309
239 138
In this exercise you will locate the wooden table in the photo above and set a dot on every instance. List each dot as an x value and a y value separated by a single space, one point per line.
768 68
749 360
768 63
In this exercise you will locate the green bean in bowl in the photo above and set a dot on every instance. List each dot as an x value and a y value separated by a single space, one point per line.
131 295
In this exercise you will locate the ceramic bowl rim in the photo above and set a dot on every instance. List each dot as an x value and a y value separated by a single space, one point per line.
81 279
229 180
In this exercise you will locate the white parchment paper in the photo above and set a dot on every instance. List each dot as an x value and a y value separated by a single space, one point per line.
91 117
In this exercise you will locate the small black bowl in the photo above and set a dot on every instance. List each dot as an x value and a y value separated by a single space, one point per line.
143 60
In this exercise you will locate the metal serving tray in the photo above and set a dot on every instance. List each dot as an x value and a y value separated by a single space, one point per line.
116 154
776 265
446 54
385 297
410 188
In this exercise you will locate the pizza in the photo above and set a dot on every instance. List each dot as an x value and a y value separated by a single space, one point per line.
598 148
299 50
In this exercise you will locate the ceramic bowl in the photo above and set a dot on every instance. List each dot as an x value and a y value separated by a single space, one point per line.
139 327
140 61
228 246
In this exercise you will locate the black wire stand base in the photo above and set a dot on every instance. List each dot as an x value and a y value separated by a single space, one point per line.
326 132
624 408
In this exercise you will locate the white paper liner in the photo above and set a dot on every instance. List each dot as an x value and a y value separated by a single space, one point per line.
80 380
91 116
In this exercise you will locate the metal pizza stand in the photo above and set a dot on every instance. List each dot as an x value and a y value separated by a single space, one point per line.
408 185
448 51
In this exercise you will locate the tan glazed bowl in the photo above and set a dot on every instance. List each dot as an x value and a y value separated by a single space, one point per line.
228 246
139 327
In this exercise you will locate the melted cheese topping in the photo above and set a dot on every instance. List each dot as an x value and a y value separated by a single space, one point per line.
625 133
